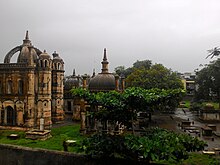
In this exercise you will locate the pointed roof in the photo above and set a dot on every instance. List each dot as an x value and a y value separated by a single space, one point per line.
105 62
26 41
74 72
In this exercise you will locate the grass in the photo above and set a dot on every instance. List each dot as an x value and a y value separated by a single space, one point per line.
54 143
188 103
72 133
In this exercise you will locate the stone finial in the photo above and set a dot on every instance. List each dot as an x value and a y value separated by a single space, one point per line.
105 56
74 72
93 73
27 36
105 63
26 41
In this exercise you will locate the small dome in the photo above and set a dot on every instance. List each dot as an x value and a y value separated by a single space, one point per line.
71 82
102 82
56 57
44 55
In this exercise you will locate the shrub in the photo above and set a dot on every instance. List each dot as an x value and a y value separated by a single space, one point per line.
157 144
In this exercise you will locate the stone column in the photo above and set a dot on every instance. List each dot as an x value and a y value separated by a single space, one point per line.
84 81
42 124
122 83
5 117
116 83
82 116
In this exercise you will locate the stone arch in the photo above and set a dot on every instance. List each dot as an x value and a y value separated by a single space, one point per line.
11 53
45 63
58 66
11 116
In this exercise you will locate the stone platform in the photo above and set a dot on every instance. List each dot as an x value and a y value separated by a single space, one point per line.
38 135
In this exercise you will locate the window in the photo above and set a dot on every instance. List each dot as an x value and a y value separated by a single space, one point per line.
20 87
9 90
45 63
69 105
41 63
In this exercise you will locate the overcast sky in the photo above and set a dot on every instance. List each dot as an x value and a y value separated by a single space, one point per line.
176 33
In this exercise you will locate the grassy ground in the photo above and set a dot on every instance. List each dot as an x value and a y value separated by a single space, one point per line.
54 143
187 104
72 133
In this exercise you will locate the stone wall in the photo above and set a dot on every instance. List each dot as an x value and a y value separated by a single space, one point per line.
17 155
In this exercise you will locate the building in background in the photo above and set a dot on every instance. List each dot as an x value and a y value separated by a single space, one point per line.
188 80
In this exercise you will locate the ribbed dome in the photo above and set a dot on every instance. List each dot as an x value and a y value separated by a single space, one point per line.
71 82
44 55
27 54
102 82
56 57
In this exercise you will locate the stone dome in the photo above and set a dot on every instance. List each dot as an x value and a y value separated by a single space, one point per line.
103 81
28 53
72 81
56 57
44 55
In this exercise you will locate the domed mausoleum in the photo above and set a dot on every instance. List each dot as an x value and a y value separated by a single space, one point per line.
104 81
31 88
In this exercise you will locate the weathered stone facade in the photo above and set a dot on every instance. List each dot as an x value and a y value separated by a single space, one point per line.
32 88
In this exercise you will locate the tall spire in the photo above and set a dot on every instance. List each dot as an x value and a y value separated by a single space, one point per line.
74 72
105 63
26 41
27 37
93 73
105 57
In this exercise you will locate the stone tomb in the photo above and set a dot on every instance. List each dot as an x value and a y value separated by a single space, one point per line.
38 134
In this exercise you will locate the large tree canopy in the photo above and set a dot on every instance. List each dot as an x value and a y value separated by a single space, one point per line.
146 75
120 70
208 80
157 76
124 106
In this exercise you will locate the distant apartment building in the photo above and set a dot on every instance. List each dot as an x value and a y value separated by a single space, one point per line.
188 80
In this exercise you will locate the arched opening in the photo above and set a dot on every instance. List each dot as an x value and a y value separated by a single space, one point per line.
40 63
45 63
11 116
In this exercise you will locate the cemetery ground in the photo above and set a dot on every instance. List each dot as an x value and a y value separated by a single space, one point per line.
70 131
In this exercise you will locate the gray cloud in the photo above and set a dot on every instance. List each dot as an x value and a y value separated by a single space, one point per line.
176 33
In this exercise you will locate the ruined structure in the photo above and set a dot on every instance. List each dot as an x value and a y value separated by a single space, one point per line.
31 88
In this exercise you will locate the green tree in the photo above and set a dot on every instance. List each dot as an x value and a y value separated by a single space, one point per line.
123 107
156 76
208 81
120 70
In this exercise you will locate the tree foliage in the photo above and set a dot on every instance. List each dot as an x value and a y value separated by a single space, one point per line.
147 75
156 144
122 107
208 81
157 76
